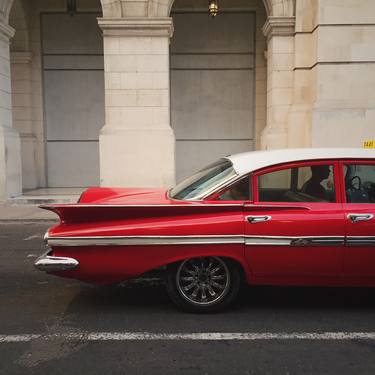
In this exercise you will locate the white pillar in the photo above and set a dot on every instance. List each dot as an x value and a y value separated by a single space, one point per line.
10 147
137 142
280 62
22 106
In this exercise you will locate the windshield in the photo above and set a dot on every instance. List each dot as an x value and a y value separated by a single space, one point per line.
204 181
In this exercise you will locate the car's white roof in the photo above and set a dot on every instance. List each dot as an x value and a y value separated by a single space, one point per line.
251 161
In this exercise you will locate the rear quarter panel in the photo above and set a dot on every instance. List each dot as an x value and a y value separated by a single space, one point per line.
111 264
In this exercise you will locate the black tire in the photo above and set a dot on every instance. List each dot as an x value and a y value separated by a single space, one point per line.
203 285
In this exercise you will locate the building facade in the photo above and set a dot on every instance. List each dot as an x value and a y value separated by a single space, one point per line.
142 92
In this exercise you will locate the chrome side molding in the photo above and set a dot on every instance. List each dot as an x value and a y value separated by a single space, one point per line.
302 241
197 240
145 240
360 241
298 241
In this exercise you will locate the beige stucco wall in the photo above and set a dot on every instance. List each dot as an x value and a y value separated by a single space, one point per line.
315 89
335 71
344 110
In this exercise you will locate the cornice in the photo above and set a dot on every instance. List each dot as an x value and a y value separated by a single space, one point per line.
279 26
136 26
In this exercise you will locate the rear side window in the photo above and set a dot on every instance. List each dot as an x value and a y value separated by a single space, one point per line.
359 183
314 183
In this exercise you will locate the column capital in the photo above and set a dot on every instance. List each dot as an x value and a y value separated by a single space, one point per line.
115 27
6 31
279 26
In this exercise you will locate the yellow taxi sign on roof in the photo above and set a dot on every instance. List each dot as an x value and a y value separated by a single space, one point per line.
369 144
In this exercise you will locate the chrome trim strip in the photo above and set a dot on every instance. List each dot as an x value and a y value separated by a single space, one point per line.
299 241
219 187
197 240
145 240
271 241
50 263
360 240
283 206
193 203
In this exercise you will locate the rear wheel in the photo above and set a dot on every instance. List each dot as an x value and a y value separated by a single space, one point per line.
203 285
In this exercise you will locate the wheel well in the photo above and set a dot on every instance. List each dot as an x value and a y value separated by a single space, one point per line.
238 265
233 261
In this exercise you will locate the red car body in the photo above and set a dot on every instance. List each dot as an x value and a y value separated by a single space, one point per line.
118 234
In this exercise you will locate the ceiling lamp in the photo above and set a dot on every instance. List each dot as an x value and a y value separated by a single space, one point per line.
213 8
71 6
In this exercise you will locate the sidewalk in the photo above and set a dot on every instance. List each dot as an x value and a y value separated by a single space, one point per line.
25 208
25 213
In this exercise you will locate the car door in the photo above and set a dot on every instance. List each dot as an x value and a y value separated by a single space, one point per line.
359 208
294 229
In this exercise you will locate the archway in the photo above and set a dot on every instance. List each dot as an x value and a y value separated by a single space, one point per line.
218 81
274 8
5 8
58 89
162 8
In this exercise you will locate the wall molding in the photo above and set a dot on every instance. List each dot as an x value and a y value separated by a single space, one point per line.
133 27
332 63
279 26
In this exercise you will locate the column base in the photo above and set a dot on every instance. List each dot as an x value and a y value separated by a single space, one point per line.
10 164
137 158
29 169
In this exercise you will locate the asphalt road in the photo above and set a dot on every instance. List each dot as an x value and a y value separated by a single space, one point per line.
32 302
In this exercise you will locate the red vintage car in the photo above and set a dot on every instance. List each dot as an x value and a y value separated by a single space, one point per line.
284 217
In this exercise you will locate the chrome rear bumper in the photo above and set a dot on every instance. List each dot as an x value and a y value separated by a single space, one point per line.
49 263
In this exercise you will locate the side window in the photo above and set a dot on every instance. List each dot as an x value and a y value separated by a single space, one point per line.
313 183
240 191
359 183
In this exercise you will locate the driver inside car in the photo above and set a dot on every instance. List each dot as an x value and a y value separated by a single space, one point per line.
313 186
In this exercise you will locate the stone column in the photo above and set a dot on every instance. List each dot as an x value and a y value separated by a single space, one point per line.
22 108
10 147
137 142
280 61
300 116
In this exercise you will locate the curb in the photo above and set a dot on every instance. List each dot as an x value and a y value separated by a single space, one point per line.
24 221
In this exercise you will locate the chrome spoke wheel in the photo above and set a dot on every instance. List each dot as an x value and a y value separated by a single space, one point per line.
203 281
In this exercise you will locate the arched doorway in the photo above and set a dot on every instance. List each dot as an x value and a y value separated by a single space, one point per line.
58 92
73 80
217 100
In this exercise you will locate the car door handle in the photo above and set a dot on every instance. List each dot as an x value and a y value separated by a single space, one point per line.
258 219
356 218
